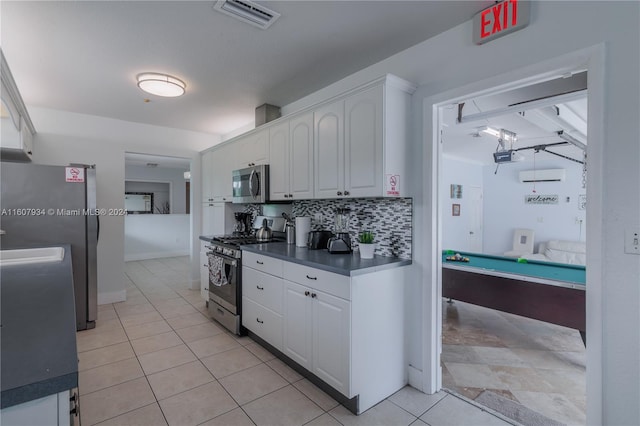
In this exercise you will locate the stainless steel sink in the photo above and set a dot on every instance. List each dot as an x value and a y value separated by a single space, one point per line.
34 255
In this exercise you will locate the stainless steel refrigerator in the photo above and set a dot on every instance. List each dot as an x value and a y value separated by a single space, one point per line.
53 205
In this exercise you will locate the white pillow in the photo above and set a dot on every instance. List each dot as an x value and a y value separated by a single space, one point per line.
569 257
574 246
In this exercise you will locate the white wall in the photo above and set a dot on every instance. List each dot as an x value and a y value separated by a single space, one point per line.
65 137
162 174
505 210
150 236
451 61
455 229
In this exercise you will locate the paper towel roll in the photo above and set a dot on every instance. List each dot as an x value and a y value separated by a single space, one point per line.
303 226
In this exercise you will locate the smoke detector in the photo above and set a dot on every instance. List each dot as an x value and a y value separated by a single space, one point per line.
247 11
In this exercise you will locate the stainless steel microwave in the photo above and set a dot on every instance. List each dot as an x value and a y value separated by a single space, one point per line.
251 185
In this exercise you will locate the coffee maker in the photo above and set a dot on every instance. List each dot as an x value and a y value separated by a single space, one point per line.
243 223
341 241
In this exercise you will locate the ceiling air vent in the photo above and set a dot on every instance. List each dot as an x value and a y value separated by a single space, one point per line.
247 11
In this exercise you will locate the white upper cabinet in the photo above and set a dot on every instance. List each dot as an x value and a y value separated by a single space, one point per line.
217 165
252 149
16 139
329 150
222 169
280 162
301 157
291 159
361 142
354 145
363 161
207 160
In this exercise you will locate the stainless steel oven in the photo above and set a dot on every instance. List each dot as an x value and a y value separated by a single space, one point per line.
225 272
251 185
224 286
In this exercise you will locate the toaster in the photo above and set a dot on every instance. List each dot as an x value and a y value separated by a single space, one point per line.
318 239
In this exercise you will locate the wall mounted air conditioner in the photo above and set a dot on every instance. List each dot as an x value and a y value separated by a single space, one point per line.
549 175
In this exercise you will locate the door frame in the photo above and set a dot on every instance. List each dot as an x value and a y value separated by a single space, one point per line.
591 59
470 191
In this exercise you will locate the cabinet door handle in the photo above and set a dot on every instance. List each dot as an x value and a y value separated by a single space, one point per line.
312 278
339 192
290 195
258 319
259 288
259 262
205 265
306 293
206 289
313 295
346 192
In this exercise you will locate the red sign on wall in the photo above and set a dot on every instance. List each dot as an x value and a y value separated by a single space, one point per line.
74 174
500 19
392 185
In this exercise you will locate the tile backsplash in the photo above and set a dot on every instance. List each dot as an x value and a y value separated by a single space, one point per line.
390 219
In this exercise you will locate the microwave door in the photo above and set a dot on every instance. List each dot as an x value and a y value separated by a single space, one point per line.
254 184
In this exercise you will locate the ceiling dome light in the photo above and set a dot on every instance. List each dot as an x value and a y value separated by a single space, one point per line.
161 84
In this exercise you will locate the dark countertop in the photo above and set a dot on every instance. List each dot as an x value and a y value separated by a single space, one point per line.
207 238
343 264
38 330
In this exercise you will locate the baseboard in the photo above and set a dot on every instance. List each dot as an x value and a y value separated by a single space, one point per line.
415 378
112 297
195 284
157 255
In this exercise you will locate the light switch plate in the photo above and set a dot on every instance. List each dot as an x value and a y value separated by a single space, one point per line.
632 241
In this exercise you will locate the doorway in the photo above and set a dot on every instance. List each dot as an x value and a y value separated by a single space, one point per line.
165 229
434 108
489 354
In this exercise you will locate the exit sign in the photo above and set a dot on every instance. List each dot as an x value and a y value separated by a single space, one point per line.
500 19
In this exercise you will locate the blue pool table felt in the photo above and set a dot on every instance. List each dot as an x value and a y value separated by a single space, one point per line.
547 270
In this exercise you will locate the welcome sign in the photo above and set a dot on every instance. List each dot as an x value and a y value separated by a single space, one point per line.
540 199
500 19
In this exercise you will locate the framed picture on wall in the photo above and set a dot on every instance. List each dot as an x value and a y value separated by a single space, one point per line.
455 209
456 191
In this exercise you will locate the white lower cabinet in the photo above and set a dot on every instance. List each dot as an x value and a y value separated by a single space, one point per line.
348 331
262 297
204 271
316 333
54 409
262 321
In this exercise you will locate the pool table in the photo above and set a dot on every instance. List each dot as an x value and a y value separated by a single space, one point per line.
550 292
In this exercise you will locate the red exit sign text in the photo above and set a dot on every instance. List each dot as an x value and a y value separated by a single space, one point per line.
500 19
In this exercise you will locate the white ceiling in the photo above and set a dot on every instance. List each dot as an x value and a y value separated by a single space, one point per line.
83 56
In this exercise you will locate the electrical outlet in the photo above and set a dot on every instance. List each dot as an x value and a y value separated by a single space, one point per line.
578 221
632 241
317 217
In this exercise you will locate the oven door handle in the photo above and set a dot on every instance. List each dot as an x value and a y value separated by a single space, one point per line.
232 260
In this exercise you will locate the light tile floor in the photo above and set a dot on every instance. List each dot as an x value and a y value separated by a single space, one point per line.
542 366
156 359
